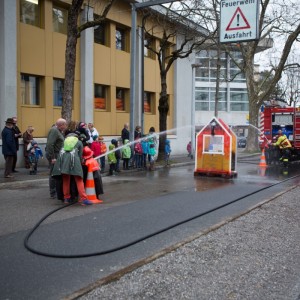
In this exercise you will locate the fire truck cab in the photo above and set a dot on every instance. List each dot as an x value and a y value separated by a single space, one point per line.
285 118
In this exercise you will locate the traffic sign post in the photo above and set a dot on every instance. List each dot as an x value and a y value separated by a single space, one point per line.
239 21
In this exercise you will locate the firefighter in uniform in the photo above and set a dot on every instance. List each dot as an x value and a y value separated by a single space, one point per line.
285 147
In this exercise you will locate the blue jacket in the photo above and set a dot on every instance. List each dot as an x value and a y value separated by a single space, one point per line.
145 146
167 147
9 146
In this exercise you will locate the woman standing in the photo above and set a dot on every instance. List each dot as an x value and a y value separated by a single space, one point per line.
27 139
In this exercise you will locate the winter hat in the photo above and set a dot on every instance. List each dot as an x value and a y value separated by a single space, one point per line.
81 124
10 120
95 137
87 152
33 143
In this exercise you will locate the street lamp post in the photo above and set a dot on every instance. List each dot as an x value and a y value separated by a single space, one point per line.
193 110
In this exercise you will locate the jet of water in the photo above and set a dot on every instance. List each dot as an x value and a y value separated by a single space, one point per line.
260 132
154 135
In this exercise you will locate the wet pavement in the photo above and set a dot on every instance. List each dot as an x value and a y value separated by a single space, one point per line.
136 203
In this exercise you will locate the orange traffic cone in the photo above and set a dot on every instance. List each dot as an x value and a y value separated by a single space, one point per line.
90 187
263 159
262 171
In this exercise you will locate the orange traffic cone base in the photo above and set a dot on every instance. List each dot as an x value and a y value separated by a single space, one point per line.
262 162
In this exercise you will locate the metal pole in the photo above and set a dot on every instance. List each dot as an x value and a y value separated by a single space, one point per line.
193 111
133 62
132 71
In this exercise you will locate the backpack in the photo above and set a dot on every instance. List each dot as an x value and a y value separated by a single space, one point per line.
69 143
138 148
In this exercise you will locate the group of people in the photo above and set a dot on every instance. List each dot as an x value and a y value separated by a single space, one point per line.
74 146
69 150
10 147
279 150
137 154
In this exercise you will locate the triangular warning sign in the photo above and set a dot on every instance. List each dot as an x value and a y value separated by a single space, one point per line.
238 21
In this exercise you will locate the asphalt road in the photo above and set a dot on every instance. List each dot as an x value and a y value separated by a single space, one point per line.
136 205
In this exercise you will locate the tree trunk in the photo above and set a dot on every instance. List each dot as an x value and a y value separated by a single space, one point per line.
163 114
70 59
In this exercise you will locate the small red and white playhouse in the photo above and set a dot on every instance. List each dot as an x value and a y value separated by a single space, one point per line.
216 149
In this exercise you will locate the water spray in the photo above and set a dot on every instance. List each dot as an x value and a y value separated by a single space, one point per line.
260 132
154 135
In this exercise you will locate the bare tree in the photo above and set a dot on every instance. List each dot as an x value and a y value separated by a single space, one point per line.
179 37
278 21
281 23
73 33
291 84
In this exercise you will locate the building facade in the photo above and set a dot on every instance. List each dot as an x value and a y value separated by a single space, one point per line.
32 57
233 105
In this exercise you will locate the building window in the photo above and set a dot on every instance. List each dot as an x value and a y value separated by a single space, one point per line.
100 96
207 71
121 96
120 39
236 74
30 89
148 102
59 19
30 12
149 41
58 88
100 33
239 100
205 99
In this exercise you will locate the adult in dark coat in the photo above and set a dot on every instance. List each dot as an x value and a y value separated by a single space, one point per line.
9 147
55 142
125 133
18 134
83 133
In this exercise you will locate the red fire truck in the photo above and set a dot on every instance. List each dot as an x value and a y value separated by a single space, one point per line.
274 118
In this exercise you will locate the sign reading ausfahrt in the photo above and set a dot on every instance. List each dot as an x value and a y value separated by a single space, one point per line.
239 21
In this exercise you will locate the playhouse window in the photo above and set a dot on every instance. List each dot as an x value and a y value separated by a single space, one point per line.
213 144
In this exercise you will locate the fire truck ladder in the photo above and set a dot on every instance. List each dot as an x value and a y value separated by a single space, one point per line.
297 128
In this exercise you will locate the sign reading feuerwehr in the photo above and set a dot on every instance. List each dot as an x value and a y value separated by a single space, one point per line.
239 20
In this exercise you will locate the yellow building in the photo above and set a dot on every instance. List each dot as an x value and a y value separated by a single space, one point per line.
32 58
102 76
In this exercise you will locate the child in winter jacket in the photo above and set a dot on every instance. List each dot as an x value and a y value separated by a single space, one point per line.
103 150
96 148
126 154
118 154
152 150
111 157
145 150
167 151
138 152
34 153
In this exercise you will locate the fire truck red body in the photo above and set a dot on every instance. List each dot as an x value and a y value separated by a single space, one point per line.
285 118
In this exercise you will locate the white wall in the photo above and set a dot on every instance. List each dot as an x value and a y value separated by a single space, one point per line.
183 105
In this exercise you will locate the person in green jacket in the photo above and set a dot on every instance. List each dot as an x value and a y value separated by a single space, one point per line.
126 154
112 160
68 163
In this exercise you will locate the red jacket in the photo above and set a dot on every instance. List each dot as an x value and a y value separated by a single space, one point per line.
96 148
